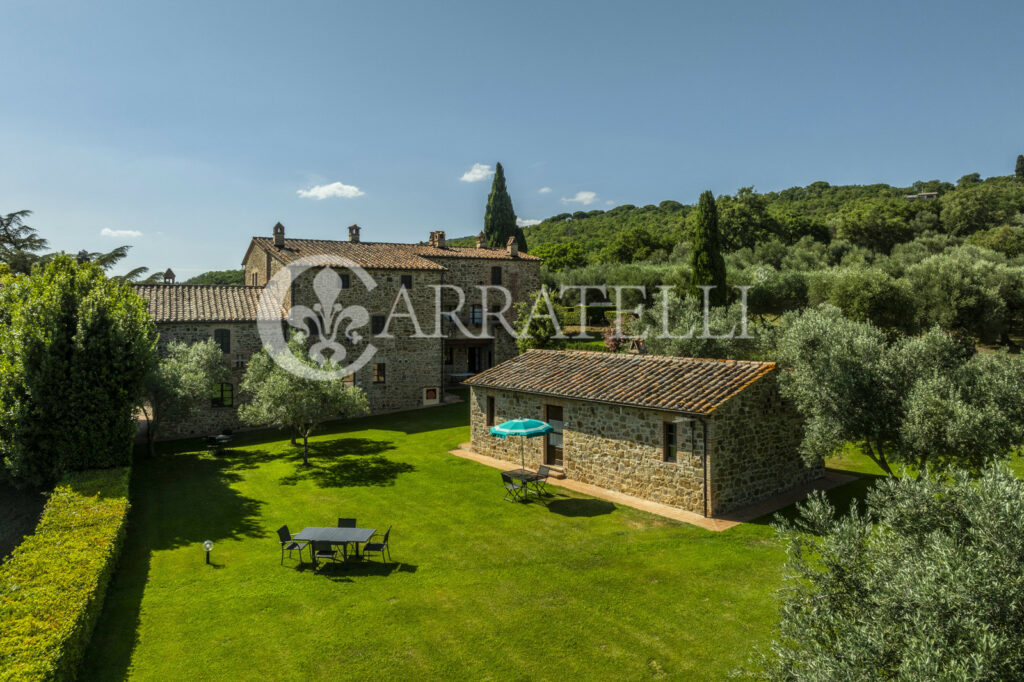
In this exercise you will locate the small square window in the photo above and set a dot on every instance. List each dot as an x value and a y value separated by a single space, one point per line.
223 396
378 373
345 281
496 275
490 411
377 324
407 281
476 314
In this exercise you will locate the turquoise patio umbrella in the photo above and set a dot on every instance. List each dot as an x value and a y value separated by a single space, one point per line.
525 428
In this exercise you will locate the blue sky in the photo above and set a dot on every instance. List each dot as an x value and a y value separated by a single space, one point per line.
196 124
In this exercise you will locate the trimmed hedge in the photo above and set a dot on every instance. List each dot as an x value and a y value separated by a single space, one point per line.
52 586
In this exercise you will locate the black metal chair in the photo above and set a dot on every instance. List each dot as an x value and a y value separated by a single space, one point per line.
515 491
379 547
289 545
346 523
323 551
541 484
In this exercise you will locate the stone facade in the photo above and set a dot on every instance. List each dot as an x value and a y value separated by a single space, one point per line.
244 340
405 371
743 452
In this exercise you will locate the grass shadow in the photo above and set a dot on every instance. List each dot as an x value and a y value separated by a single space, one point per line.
176 500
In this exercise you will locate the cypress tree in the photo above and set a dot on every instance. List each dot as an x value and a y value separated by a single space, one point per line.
1020 167
500 218
706 246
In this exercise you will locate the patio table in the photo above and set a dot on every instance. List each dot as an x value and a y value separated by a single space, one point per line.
336 536
527 477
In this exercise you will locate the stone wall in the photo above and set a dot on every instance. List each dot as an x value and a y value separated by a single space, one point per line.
209 420
754 439
614 447
752 443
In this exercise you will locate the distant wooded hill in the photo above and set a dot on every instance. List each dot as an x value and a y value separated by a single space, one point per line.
873 216
234 277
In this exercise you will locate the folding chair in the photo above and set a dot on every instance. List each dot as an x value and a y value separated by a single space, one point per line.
515 491
541 484
289 545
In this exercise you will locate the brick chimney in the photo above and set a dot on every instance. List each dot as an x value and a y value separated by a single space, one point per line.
481 241
353 233
513 247
279 236
169 276
437 239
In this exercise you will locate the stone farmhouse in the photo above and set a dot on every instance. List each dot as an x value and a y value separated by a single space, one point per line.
405 372
708 436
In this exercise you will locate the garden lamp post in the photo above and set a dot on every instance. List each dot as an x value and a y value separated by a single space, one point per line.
208 545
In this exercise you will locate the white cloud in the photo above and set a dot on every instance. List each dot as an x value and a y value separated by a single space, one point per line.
335 189
479 171
544 190
526 223
584 198
609 202
107 232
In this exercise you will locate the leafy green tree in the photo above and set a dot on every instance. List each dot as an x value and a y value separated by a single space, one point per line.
19 243
897 401
707 263
563 256
687 336
534 324
959 290
867 294
981 206
744 219
75 348
181 382
1005 239
632 246
968 180
876 224
500 218
275 396
229 277
923 585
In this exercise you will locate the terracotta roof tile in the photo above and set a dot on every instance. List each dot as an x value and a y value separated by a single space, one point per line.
200 302
673 384
379 255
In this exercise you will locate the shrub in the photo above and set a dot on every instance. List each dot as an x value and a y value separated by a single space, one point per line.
52 586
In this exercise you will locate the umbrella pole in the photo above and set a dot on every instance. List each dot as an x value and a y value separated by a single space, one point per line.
522 450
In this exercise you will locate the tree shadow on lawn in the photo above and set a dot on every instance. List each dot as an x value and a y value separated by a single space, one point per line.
346 462
177 500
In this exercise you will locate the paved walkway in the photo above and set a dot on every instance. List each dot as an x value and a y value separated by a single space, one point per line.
831 479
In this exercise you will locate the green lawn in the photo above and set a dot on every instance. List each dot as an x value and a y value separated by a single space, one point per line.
481 589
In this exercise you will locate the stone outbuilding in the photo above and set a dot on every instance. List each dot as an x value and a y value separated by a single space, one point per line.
707 436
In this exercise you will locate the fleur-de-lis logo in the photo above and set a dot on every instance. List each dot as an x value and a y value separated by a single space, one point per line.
324 320
328 323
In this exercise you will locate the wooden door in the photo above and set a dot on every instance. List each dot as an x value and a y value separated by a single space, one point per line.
553 440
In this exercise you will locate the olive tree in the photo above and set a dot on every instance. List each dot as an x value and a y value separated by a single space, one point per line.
921 401
180 383
923 585
275 396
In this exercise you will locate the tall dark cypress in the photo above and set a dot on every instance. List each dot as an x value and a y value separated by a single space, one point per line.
500 218
706 258
1020 167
